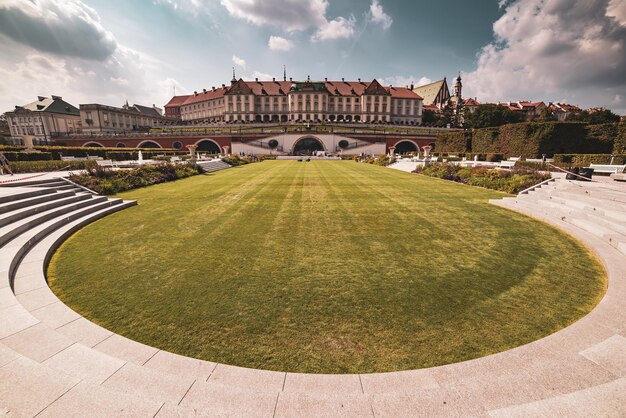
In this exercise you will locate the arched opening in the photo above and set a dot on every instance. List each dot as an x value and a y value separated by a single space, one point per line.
121 145
340 118
149 144
357 118
266 118
257 118
208 146
307 146
274 118
331 118
93 144
348 118
405 147
283 118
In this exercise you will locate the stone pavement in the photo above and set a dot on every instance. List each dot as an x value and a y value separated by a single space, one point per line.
53 362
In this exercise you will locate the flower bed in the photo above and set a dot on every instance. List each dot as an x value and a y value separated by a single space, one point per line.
115 181
508 181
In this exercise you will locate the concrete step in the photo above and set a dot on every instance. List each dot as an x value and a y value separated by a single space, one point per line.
7 195
22 213
583 203
595 198
30 182
10 231
35 200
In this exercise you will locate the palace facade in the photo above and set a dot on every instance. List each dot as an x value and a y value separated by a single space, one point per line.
299 102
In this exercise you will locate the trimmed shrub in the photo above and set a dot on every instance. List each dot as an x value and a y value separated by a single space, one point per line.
583 160
47 166
115 181
600 139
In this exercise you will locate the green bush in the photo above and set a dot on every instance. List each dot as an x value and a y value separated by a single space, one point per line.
47 166
508 181
105 181
27 156
485 140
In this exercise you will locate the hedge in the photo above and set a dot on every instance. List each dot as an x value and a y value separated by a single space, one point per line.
619 145
600 139
583 160
485 140
117 154
457 141
47 166
27 156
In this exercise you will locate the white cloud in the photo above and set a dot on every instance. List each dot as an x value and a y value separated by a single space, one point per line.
378 15
339 28
239 62
62 27
277 43
617 9
291 15
402 81
553 49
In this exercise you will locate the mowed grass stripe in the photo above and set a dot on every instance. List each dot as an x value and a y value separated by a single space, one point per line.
325 267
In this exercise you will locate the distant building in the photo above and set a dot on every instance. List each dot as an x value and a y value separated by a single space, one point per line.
299 102
172 108
98 118
530 110
45 118
562 110
434 94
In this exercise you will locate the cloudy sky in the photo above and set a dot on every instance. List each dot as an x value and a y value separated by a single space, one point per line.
107 51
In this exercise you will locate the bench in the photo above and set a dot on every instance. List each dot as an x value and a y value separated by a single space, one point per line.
607 168
514 159
105 163
506 164
68 158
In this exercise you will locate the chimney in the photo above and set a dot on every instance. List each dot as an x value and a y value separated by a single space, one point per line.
359 79
290 78
213 88
343 79
204 91
256 79
326 79
412 86
195 93
273 78
223 85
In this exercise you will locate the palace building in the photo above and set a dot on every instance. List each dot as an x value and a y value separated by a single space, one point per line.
43 119
299 102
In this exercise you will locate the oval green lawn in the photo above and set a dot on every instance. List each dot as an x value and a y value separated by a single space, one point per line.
325 267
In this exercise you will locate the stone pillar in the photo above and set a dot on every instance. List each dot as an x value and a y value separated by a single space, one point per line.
225 150
192 153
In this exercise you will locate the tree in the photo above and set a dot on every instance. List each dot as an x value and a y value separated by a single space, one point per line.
595 116
429 117
491 115
547 115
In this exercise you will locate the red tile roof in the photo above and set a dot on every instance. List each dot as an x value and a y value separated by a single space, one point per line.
403 93
281 88
177 101
204 96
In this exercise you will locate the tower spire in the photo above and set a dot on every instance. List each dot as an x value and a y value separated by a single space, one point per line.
234 77
284 73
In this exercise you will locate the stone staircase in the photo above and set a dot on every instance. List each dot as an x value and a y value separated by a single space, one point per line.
598 208
213 165
54 362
